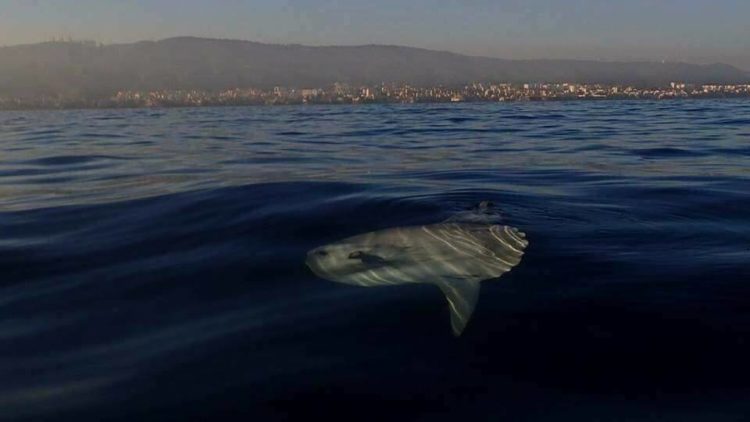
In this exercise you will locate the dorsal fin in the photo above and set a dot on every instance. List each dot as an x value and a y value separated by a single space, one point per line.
462 297
484 212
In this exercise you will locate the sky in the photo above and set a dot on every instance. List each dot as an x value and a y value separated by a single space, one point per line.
699 31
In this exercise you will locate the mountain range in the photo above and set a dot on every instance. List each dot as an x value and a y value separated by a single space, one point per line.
90 69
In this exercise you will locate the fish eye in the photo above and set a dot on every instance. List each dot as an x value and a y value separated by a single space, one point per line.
321 253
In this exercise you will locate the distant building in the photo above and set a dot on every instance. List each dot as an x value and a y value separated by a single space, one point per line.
310 93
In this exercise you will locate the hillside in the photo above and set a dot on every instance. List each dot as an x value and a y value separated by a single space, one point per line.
88 69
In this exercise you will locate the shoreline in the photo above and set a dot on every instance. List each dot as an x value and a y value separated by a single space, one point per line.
369 103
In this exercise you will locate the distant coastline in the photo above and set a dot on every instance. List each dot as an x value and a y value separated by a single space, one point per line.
189 71
381 94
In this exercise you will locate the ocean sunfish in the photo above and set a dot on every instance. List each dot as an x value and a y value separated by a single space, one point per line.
454 256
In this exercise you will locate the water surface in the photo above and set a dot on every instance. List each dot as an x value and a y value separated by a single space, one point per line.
152 262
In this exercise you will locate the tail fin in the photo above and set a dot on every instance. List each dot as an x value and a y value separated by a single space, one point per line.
462 298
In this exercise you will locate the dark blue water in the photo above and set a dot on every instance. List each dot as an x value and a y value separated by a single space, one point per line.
152 263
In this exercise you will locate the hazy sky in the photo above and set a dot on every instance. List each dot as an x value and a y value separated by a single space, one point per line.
689 30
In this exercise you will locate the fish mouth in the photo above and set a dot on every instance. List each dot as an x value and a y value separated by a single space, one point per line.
312 262
310 259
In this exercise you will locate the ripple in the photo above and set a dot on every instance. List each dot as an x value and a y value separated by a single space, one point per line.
69 160
668 152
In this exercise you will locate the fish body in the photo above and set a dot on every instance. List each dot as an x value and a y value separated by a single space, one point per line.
454 256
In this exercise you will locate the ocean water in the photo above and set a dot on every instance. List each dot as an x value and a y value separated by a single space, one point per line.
152 263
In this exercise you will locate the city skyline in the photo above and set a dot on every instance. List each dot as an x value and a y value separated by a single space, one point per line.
689 30
391 93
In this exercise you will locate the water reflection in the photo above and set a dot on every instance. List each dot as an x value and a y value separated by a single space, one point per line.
75 157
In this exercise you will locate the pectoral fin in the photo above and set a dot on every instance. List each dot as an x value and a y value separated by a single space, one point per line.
462 298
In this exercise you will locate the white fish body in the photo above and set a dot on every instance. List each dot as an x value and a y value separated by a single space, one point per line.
454 256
